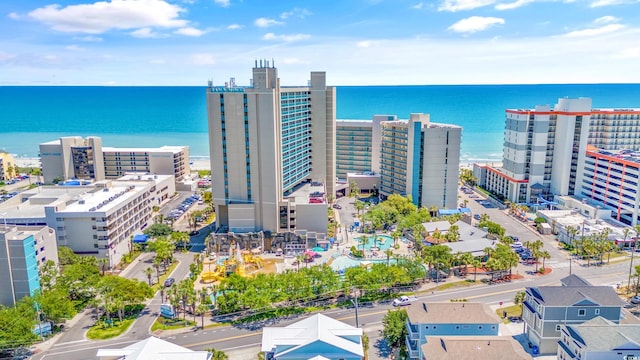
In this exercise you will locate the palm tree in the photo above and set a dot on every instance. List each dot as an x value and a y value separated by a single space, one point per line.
217 354
396 235
633 250
544 255
103 263
519 299
149 272
466 259
476 265
572 232
389 253
362 240
202 310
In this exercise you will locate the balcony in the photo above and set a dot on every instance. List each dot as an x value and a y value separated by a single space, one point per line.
413 348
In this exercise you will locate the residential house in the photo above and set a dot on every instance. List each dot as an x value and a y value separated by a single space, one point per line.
547 308
316 336
599 338
574 280
473 347
447 319
153 348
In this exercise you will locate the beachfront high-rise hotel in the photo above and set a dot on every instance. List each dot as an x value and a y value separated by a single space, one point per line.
266 141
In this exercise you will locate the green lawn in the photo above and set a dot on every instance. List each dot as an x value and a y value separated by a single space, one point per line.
164 276
457 284
170 324
101 331
513 310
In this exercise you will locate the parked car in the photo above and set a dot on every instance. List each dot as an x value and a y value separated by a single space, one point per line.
402 301
635 299
477 216
337 206
169 282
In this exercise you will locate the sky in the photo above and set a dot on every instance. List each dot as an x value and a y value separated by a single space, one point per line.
357 42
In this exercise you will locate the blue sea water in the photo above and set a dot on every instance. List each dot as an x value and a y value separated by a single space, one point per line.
156 116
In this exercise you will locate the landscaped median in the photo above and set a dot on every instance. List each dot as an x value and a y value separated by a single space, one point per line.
103 330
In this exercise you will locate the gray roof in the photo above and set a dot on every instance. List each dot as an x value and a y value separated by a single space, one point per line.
600 334
474 246
469 232
574 280
473 347
441 226
451 313
576 295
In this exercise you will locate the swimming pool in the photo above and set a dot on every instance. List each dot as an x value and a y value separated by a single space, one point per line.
342 262
386 243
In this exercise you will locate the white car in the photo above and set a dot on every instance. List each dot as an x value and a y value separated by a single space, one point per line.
402 301
635 300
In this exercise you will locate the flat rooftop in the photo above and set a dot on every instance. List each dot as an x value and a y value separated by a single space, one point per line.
303 193
165 148
574 219
625 154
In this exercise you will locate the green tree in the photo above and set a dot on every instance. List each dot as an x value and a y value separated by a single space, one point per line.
158 230
180 238
519 300
217 354
354 190
395 328
149 272
55 304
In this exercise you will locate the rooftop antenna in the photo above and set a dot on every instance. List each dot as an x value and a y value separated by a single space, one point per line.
273 63
256 60
260 62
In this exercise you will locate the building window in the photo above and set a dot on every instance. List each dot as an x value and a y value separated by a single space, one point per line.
457 327
557 327
597 311
582 312
479 327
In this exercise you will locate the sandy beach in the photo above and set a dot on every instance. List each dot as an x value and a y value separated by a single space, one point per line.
199 163
196 164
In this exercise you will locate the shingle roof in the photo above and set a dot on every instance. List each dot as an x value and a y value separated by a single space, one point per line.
574 280
473 348
441 226
570 295
451 313
600 334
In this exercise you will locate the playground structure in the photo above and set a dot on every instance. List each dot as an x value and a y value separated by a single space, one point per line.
241 262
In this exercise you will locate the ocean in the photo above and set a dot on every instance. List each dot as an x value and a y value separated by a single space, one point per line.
156 116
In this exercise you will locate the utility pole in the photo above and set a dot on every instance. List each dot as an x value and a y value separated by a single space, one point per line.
633 250
355 293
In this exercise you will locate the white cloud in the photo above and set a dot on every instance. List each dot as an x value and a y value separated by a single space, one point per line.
88 38
103 16
418 6
475 23
73 48
190 31
286 38
629 53
513 5
14 16
222 3
600 3
458 5
297 12
606 20
234 27
203 59
595 31
265 22
145 33
366 43
157 61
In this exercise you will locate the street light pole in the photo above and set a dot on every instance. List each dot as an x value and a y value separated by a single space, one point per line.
355 293
633 250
